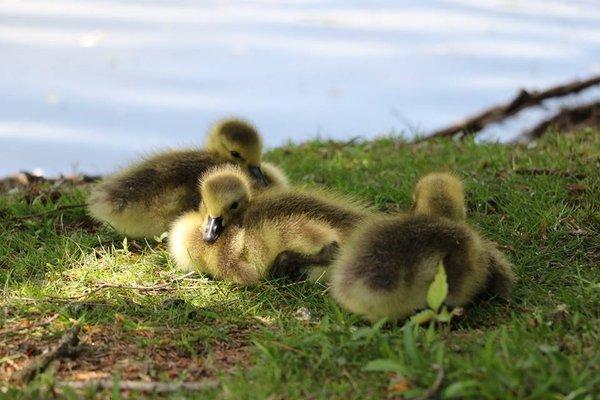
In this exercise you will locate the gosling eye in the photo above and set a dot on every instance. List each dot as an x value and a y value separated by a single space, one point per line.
235 154
234 206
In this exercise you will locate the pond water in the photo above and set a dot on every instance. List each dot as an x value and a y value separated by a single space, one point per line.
89 85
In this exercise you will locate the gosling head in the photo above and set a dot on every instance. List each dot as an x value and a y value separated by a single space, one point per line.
225 193
239 142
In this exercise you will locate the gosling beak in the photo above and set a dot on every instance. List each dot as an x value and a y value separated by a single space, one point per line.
213 229
258 174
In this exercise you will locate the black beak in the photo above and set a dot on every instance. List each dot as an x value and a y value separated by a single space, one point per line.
258 174
213 228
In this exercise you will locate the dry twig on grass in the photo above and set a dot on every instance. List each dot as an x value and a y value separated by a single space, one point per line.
65 347
140 386
433 391
523 100
548 171
34 325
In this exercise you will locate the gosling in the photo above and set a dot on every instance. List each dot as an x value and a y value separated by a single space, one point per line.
240 236
387 265
143 199
442 194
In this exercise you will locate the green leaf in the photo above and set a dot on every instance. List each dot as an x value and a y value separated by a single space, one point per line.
422 317
438 290
444 315
383 365
430 333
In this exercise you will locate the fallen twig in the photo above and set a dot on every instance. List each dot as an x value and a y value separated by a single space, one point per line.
432 391
37 324
140 386
60 299
567 118
523 100
547 171
57 209
65 347
286 347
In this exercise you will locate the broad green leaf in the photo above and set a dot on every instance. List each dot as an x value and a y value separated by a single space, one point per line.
383 365
438 290
422 317
444 315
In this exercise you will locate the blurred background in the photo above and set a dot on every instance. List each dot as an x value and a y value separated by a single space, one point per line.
90 85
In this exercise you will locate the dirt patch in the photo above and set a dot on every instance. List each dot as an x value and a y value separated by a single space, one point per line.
139 354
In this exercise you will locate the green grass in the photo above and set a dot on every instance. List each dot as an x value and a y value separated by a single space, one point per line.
542 344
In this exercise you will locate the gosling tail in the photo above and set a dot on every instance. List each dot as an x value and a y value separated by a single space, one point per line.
440 194
501 277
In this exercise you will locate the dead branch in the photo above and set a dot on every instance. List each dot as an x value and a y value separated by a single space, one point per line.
548 171
37 324
523 100
435 388
567 119
140 386
65 347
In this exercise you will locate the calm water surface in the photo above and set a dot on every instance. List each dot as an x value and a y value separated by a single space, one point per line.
91 84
